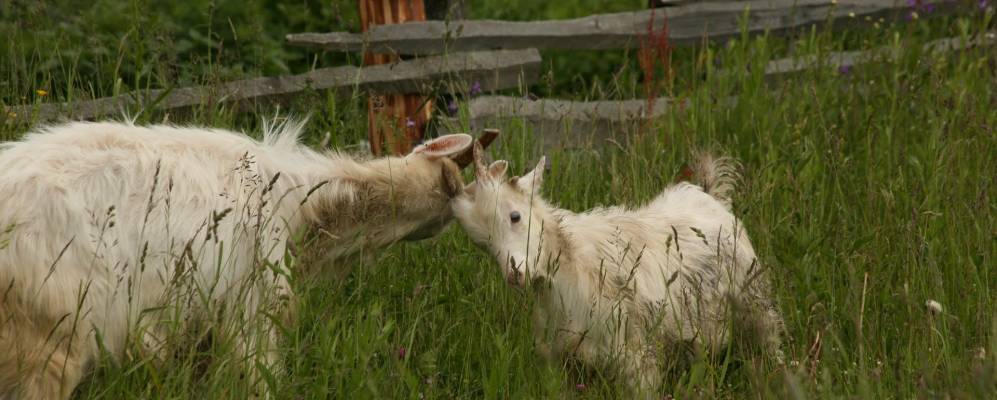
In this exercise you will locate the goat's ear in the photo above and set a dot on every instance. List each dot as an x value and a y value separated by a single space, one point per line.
471 188
453 182
481 170
531 182
497 169
444 146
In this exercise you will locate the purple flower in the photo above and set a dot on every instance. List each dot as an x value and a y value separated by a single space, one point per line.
401 353
844 69
922 6
581 386
452 107
409 123
475 88
983 4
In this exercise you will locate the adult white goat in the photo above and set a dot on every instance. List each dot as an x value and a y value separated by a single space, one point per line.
619 286
112 230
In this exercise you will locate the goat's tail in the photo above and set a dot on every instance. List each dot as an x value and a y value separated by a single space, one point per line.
717 175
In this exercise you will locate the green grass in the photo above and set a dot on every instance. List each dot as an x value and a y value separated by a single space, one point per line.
866 194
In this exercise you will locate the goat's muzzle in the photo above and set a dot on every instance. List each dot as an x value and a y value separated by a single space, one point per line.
515 276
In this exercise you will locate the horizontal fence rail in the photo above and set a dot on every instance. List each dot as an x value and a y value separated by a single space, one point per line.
565 123
562 123
847 59
688 24
492 70
553 110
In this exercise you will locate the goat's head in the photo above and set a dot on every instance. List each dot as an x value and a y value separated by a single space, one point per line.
506 216
433 170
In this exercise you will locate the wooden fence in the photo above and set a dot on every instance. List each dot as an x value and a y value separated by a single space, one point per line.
565 124
688 23
503 54
494 70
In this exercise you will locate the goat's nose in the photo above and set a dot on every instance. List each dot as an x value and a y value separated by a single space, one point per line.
514 274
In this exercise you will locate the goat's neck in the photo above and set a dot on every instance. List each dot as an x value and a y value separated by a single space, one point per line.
555 248
343 194
372 204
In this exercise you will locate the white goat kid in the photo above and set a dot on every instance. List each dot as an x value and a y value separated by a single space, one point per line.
109 230
618 286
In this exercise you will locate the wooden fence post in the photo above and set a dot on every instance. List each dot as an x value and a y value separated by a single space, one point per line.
395 122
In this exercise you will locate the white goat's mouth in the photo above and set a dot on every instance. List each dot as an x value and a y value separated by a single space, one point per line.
515 271
518 275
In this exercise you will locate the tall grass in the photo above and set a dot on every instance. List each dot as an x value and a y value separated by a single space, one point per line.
866 192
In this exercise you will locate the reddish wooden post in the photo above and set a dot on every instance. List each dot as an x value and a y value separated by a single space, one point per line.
394 121
655 50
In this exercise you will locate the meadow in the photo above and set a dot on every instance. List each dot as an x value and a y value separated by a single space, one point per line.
867 193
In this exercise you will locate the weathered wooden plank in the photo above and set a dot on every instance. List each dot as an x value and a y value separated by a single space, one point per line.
562 123
848 59
565 124
492 69
688 23
565 110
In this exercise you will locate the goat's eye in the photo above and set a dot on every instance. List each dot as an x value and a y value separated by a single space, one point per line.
514 216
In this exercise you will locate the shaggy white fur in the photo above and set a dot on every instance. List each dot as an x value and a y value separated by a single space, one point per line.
619 286
110 231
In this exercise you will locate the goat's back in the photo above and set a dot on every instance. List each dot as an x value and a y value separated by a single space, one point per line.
95 216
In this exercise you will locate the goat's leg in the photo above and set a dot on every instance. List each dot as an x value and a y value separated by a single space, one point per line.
773 327
258 353
37 369
641 372
257 337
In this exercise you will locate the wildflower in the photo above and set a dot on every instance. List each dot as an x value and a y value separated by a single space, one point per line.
452 107
401 353
409 123
581 386
921 5
982 4
475 88
41 92
851 15
933 306
844 69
